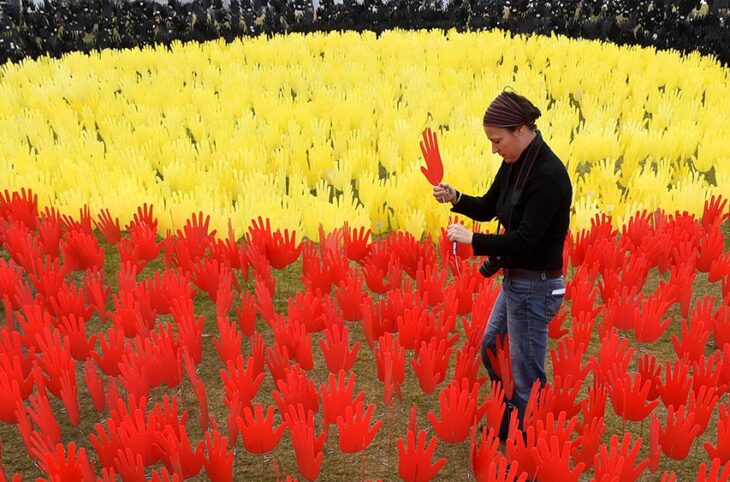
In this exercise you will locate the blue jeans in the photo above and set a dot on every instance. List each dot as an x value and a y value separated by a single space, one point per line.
523 310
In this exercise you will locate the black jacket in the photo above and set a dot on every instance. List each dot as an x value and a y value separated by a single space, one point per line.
536 226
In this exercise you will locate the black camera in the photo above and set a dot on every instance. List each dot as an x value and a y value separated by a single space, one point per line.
491 265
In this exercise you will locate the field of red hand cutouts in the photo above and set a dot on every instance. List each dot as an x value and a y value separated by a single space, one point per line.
131 354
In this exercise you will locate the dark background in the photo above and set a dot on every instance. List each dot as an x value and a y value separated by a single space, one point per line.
56 27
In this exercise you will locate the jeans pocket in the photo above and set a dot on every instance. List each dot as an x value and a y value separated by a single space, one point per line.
521 286
553 301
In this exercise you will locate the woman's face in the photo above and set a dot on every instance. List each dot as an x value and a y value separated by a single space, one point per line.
508 144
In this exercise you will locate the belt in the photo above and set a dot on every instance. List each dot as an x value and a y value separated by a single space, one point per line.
516 273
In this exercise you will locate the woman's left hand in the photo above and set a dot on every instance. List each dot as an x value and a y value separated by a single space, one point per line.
458 232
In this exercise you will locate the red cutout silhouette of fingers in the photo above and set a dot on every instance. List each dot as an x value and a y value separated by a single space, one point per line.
307 444
458 407
356 434
414 457
296 389
629 398
520 446
702 403
588 441
494 406
257 430
336 349
357 243
675 389
554 461
619 460
219 460
467 365
129 465
81 251
721 450
431 363
502 471
718 472
337 395
434 169
681 430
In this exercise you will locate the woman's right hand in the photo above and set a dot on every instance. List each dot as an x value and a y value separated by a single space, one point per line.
443 192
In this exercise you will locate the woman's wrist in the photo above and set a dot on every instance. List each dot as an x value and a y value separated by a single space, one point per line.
456 198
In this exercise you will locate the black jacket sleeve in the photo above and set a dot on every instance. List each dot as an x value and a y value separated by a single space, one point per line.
540 207
482 208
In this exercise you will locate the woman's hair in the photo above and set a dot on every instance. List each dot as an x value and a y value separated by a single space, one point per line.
511 110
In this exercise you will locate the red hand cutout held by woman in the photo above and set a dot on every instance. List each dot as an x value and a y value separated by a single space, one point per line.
434 170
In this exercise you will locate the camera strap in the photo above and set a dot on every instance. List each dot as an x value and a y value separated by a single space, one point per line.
530 157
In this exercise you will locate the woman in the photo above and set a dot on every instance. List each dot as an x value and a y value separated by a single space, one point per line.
530 196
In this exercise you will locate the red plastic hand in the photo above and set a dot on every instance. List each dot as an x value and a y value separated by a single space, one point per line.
719 472
675 389
198 388
614 351
711 248
296 389
467 365
521 446
21 206
264 300
502 471
502 362
257 430
195 235
177 452
649 325
246 313
483 450
567 359
158 476
719 268
693 340
357 243
722 449
434 170
554 461
84 221
307 445
241 379
337 395
702 403
415 458
630 399
283 250
81 251
390 358
714 211
219 462
458 404
143 217
588 441
350 295
129 465
228 344
336 349
75 467
74 328
190 330
354 427
679 434
431 363
144 244
619 461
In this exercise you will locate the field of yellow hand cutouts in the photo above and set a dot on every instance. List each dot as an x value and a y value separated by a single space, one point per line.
322 130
